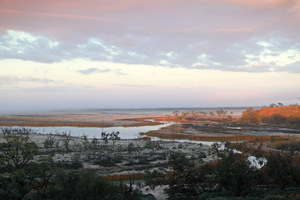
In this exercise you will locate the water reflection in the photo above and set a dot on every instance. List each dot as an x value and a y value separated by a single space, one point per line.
91 132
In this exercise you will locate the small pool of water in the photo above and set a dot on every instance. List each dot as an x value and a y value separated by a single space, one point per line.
262 133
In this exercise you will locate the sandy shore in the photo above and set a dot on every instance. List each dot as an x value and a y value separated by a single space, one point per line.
89 120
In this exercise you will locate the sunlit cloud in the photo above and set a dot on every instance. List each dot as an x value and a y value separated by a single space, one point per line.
10 79
262 4
160 53
11 12
270 55
125 33
96 70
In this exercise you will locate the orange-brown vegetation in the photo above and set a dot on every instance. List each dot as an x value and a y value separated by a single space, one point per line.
250 115
276 115
288 113
147 138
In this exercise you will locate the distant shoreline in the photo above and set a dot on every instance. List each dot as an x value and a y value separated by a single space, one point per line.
104 110
96 118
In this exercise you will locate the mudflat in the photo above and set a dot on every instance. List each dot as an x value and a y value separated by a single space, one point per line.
102 118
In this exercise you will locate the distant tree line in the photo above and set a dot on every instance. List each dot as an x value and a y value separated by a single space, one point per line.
194 115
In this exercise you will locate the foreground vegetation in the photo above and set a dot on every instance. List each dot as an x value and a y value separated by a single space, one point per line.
232 176
24 175
258 166
29 171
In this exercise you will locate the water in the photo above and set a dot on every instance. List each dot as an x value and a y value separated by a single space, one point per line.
184 141
262 133
91 132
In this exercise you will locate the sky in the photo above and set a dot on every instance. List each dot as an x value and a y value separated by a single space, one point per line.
74 54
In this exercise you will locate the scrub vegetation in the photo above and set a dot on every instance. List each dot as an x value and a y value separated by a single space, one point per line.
31 171
60 166
274 114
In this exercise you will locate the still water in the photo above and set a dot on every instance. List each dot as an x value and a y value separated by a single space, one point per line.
91 132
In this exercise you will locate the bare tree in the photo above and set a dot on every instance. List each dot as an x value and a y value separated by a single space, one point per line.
104 137
114 136
67 138
127 189
49 141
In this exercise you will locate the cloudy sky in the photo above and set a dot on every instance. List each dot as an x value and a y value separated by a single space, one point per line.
75 54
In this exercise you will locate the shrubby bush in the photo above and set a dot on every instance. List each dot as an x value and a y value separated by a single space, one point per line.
250 116
231 177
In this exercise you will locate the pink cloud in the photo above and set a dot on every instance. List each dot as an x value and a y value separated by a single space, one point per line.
236 29
221 29
11 12
68 16
242 29
156 6
67 5
262 3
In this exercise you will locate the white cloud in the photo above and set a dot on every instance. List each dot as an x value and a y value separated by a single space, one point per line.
274 54
97 70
